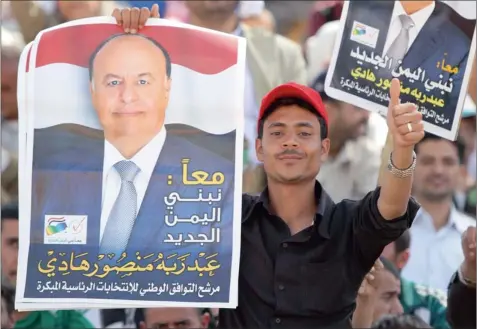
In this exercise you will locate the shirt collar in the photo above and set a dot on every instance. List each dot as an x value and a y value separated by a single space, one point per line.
323 209
419 18
457 219
145 159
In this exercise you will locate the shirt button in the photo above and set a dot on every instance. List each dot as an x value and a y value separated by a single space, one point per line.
281 287
285 245
277 320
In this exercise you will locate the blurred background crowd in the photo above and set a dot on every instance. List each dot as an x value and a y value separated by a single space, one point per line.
286 41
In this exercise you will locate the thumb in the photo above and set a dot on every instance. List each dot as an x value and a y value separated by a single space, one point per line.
394 93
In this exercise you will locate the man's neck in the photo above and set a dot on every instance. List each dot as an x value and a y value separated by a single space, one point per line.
438 210
129 146
295 204
410 7
226 25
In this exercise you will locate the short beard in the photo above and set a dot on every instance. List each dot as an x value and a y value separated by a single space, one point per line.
436 197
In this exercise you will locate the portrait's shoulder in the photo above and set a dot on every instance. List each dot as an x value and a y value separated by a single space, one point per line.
67 144
205 148
449 31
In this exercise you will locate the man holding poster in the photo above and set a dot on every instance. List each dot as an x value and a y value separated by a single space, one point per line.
425 44
130 199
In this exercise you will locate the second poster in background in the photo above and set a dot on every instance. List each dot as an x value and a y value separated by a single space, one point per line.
132 167
428 45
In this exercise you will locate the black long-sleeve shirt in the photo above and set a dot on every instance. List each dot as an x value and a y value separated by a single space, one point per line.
461 305
310 279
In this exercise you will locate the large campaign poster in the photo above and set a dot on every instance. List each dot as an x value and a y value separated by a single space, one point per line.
133 162
428 45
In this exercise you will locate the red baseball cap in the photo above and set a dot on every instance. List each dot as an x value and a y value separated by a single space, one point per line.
295 90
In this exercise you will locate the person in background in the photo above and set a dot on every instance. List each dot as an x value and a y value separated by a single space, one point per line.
467 130
171 318
352 167
461 310
427 303
466 193
271 61
379 297
318 51
401 321
9 177
12 47
291 17
33 319
254 14
323 12
435 250
7 308
32 17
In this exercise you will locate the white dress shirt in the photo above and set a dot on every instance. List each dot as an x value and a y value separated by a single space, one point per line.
419 18
10 134
436 255
250 110
145 159
5 159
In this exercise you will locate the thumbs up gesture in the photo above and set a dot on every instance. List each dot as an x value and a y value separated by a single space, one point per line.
404 120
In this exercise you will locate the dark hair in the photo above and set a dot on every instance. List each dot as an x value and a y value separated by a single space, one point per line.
140 314
389 266
403 242
10 211
402 321
115 36
460 146
286 101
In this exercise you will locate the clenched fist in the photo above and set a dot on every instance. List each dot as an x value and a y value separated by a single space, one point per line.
133 19
404 120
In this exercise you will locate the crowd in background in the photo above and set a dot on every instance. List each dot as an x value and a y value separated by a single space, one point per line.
286 41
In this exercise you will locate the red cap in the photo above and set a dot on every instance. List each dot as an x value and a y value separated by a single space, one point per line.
295 90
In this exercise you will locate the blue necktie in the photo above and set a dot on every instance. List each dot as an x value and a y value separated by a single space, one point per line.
124 211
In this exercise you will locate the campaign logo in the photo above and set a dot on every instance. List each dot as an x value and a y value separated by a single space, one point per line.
364 34
67 229
359 30
56 225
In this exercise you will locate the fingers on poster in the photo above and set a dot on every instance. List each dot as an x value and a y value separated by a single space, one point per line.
131 156
428 45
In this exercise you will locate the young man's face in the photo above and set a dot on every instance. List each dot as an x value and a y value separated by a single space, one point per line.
291 147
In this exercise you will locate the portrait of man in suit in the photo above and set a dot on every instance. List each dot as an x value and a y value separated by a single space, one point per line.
123 185
427 37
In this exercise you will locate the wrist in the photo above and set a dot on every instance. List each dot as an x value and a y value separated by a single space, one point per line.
402 157
468 273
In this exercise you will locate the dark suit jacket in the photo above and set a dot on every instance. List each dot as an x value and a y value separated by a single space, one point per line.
461 305
67 180
438 36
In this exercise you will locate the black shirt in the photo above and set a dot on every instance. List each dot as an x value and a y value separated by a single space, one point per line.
461 304
310 279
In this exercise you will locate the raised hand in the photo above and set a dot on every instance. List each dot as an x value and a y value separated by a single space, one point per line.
469 249
134 19
404 120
